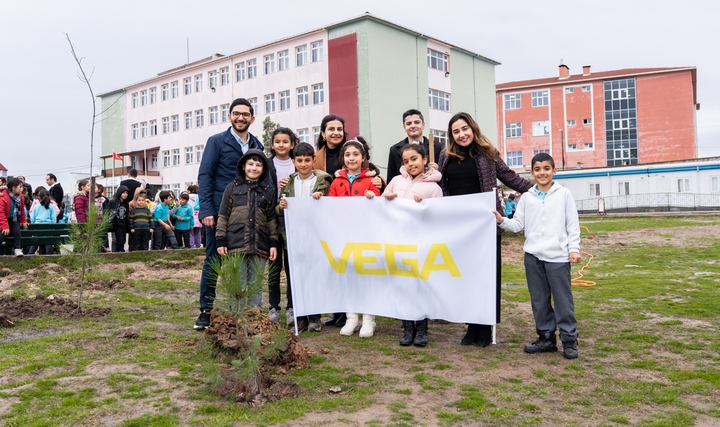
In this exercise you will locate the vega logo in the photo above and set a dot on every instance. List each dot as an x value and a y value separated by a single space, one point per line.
362 254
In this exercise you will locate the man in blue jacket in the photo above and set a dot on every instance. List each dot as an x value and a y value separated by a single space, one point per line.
217 169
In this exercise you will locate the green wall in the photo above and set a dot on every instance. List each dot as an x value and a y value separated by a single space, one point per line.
113 122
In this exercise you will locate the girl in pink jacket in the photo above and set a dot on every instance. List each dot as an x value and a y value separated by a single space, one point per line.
416 181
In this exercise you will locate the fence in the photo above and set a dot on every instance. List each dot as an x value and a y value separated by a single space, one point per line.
652 202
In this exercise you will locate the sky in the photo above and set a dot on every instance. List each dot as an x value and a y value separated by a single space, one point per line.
46 111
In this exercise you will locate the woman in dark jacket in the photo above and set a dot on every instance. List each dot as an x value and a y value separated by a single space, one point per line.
471 164
120 212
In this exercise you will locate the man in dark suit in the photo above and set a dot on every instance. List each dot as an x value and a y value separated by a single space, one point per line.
132 183
56 192
414 125
218 169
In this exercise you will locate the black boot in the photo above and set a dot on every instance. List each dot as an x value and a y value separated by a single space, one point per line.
570 350
546 343
471 334
484 337
338 320
408 332
421 339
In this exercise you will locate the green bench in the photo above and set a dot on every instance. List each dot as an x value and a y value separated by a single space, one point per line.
40 234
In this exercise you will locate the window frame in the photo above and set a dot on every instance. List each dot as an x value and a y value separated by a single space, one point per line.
438 100
164 92
512 101
301 52
251 68
437 60
318 93
284 97
317 51
224 76
283 60
514 158
269 64
303 96
540 98
542 127
269 103
240 71
513 130
166 158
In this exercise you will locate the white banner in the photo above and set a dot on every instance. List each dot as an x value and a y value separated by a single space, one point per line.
401 259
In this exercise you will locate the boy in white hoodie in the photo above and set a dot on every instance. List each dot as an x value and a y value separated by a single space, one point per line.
549 217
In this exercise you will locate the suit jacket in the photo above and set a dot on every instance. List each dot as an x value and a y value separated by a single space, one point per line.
57 193
395 157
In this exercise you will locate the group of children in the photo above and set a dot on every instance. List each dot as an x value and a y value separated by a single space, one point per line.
251 214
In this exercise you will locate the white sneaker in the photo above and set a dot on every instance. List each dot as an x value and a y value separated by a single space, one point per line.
368 326
274 315
18 252
290 317
351 325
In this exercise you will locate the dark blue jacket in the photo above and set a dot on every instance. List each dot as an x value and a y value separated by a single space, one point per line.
218 168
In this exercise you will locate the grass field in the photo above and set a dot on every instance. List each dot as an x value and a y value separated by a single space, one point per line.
649 348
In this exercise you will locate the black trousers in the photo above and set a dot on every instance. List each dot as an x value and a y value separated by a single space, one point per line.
139 240
119 235
183 237
274 276
15 233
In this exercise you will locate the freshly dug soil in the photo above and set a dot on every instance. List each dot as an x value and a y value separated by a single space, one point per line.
13 308
243 390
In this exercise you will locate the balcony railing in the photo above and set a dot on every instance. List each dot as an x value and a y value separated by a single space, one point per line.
123 171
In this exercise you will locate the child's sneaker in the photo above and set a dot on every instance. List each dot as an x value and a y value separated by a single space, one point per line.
546 343
315 324
368 326
18 252
302 324
203 321
351 325
274 315
289 317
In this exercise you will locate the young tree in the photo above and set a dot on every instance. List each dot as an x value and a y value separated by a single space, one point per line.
268 127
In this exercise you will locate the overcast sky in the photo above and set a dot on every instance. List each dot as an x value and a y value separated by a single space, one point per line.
45 111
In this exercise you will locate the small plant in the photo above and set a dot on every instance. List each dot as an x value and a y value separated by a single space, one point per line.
86 240
268 127
240 287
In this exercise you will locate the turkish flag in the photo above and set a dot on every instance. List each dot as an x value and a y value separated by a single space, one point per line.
116 156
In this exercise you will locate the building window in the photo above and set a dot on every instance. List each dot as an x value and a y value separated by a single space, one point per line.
569 89
153 161
586 88
212 79
188 155
623 188
302 96
512 101
176 189
318 93
253 103
588 145
166 158
175 123
438 100
164 92
683 185
240 72
572 147
252 68
269 63
513 130
594 189
437 60
165 124
176 156
270 103
441 137
188 120
199 118
134 131
174 90
316 133
134 162
153 127
303 135
714 184
198 83
283 60
143 97
224 112
135 100
621 133
536 152
153 95
539 98
143 129
198 152
541 128
301 55
587 121
514 158
284 100
188 85
317 51
213 113
571 122
224 76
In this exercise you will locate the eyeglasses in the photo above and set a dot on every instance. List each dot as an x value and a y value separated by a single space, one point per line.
245 114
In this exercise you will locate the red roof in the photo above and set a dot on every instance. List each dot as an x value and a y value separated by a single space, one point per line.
3 168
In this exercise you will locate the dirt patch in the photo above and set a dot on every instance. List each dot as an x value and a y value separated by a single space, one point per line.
271 389
13 308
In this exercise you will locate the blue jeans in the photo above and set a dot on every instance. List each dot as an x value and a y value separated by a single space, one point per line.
208 279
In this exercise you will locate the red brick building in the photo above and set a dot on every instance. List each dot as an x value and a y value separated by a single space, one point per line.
610 118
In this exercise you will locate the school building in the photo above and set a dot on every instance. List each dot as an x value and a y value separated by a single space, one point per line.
595 119
366 70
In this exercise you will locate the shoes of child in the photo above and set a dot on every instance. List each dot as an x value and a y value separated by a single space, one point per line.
368 326
351 325
274 315
289 317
